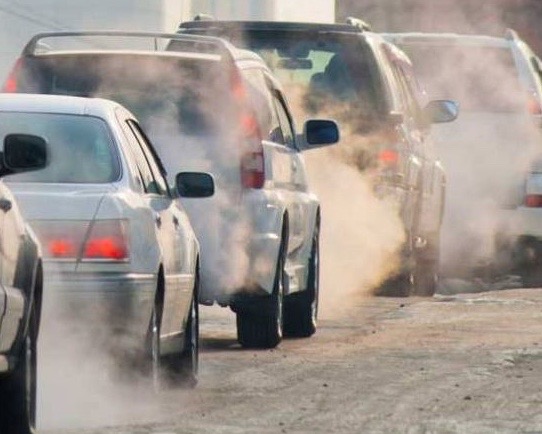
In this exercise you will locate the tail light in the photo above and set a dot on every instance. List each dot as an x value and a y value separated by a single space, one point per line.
388 158
106 240
252 159
100 240
533 105
11 86
533 201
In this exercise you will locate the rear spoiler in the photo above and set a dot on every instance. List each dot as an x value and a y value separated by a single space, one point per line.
181 42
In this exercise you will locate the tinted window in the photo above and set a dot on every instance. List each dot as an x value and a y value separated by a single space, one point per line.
80 147
285 123
324 74
182 92
479 78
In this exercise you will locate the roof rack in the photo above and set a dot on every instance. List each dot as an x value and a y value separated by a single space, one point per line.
359 23
193 42
511 35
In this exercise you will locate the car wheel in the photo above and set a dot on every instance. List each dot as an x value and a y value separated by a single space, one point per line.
183 368
397 286
426 270
18 389
263 329
154 347
301 309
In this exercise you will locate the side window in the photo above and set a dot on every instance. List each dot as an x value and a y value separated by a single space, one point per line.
149 184
261 100
410 102
285 122
156 169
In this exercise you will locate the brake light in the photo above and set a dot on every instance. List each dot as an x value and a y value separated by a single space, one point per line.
106 240
83 240
62 248
533 105
10 86
252 159
533 201
388 157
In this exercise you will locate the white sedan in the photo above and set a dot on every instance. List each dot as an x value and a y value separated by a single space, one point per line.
119 251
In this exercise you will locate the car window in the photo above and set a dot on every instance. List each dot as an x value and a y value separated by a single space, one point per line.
321 69
157 170
479 78
154 88
411 104
81 148
145 172
285 122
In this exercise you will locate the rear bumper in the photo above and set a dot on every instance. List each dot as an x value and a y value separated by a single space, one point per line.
113 307
261 255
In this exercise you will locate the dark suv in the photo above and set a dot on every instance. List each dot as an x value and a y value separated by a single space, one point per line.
352 74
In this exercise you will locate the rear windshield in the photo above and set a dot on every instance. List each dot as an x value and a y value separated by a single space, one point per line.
326 68
479 78
192 93
80 149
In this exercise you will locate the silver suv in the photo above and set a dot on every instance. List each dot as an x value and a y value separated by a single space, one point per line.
209 106
369 86
490 150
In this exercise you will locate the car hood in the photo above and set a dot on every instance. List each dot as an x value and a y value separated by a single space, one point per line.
40 201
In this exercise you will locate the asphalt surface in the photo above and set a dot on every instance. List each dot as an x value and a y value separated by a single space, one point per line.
466 363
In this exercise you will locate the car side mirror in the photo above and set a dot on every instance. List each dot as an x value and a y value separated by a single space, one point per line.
23 153
318 133
441 111
194 184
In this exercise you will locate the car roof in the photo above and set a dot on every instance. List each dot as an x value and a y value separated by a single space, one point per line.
58 104
269 25
448 38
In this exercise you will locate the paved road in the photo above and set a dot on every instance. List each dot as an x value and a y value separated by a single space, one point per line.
460 363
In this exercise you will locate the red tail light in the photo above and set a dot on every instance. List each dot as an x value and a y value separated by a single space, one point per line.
252 170
533 105
252 159
10 86
104 240
388 157
107 240
533 201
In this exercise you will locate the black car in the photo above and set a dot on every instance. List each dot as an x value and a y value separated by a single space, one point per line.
347 72
20 292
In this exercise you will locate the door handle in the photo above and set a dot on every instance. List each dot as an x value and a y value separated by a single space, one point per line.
175 221
5 204
158 220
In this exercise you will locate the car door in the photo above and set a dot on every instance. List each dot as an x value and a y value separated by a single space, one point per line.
299 203
12 302
171 230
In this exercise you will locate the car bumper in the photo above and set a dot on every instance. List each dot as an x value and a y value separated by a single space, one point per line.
114 307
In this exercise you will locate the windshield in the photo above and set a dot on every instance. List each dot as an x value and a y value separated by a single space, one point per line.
80 147
479 78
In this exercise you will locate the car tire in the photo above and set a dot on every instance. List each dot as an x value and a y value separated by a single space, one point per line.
426 270
301 309
400 285
18 389
183 368
263 329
